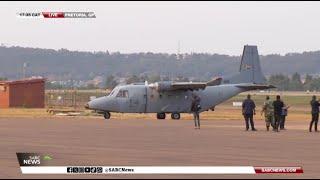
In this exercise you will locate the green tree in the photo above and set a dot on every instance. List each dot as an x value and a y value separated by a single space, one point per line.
154 78
91 86
143 78
3 79
281 81
181 79
307 82
110 82
315 84
50 85
296 83
166 78
132 79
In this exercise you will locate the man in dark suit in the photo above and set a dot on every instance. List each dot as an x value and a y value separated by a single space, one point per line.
248 110
314 113
277 106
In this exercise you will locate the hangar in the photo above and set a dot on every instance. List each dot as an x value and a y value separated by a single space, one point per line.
28 93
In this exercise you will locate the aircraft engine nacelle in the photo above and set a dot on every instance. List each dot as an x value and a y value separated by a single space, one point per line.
162 86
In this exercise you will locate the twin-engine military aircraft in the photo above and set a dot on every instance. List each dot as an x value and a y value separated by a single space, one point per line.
176 97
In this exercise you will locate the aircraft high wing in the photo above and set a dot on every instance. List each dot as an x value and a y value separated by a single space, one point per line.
174 86
188 85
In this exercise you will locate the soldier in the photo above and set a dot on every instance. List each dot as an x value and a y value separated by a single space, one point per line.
267 109
277 106
248 110
195 108
315 113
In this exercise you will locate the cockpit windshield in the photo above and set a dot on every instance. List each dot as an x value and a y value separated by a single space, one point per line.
113 91
118 92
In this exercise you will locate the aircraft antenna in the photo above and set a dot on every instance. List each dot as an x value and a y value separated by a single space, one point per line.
178 51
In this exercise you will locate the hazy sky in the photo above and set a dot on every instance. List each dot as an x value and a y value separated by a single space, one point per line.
214 27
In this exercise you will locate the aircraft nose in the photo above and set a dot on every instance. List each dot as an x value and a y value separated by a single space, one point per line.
102 103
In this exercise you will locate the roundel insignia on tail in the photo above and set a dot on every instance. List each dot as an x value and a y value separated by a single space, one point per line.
247 66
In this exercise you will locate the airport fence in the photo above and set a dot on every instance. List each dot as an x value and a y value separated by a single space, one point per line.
71 98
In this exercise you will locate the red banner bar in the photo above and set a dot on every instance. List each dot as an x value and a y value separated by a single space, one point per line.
276 170
53 14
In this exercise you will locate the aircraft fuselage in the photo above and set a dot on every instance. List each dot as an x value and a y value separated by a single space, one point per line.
143 99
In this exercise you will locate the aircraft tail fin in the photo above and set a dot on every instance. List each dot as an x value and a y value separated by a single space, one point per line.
250 69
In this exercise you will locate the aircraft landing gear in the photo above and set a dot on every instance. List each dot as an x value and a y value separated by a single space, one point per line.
106 115
161 115
175 115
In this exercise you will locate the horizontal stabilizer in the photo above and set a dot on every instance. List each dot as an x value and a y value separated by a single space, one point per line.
215 81
255 86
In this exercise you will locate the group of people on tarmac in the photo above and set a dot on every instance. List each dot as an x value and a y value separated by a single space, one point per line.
275 112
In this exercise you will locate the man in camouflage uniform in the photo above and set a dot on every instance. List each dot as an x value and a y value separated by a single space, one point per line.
195 108
267 109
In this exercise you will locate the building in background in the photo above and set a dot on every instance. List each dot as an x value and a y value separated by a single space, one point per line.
27 93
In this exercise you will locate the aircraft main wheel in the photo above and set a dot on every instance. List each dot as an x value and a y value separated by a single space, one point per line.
175 116
107 115
161 115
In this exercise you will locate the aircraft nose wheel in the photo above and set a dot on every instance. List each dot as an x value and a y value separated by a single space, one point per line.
107 115
175 116
161 115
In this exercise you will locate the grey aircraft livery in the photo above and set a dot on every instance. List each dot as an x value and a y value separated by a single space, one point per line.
176 97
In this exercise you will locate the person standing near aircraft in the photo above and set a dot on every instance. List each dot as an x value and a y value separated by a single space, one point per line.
248 110
315 113
195 108
267 109
284 114
277 106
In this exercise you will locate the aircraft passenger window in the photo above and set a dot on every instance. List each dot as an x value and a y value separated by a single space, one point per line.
123 94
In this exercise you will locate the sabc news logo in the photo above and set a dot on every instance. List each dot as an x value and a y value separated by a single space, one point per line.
33 159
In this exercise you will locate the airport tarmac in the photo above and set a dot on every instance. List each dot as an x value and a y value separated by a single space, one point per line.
95 141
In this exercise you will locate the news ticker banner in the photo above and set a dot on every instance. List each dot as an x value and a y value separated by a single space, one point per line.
37 163
56 15
158 170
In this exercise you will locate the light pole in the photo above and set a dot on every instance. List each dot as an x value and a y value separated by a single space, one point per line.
24 69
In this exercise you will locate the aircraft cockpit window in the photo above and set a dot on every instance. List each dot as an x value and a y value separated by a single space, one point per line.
112 92
123 94
126 94
120 93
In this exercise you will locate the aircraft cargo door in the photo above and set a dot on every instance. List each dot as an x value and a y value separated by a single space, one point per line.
137 99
